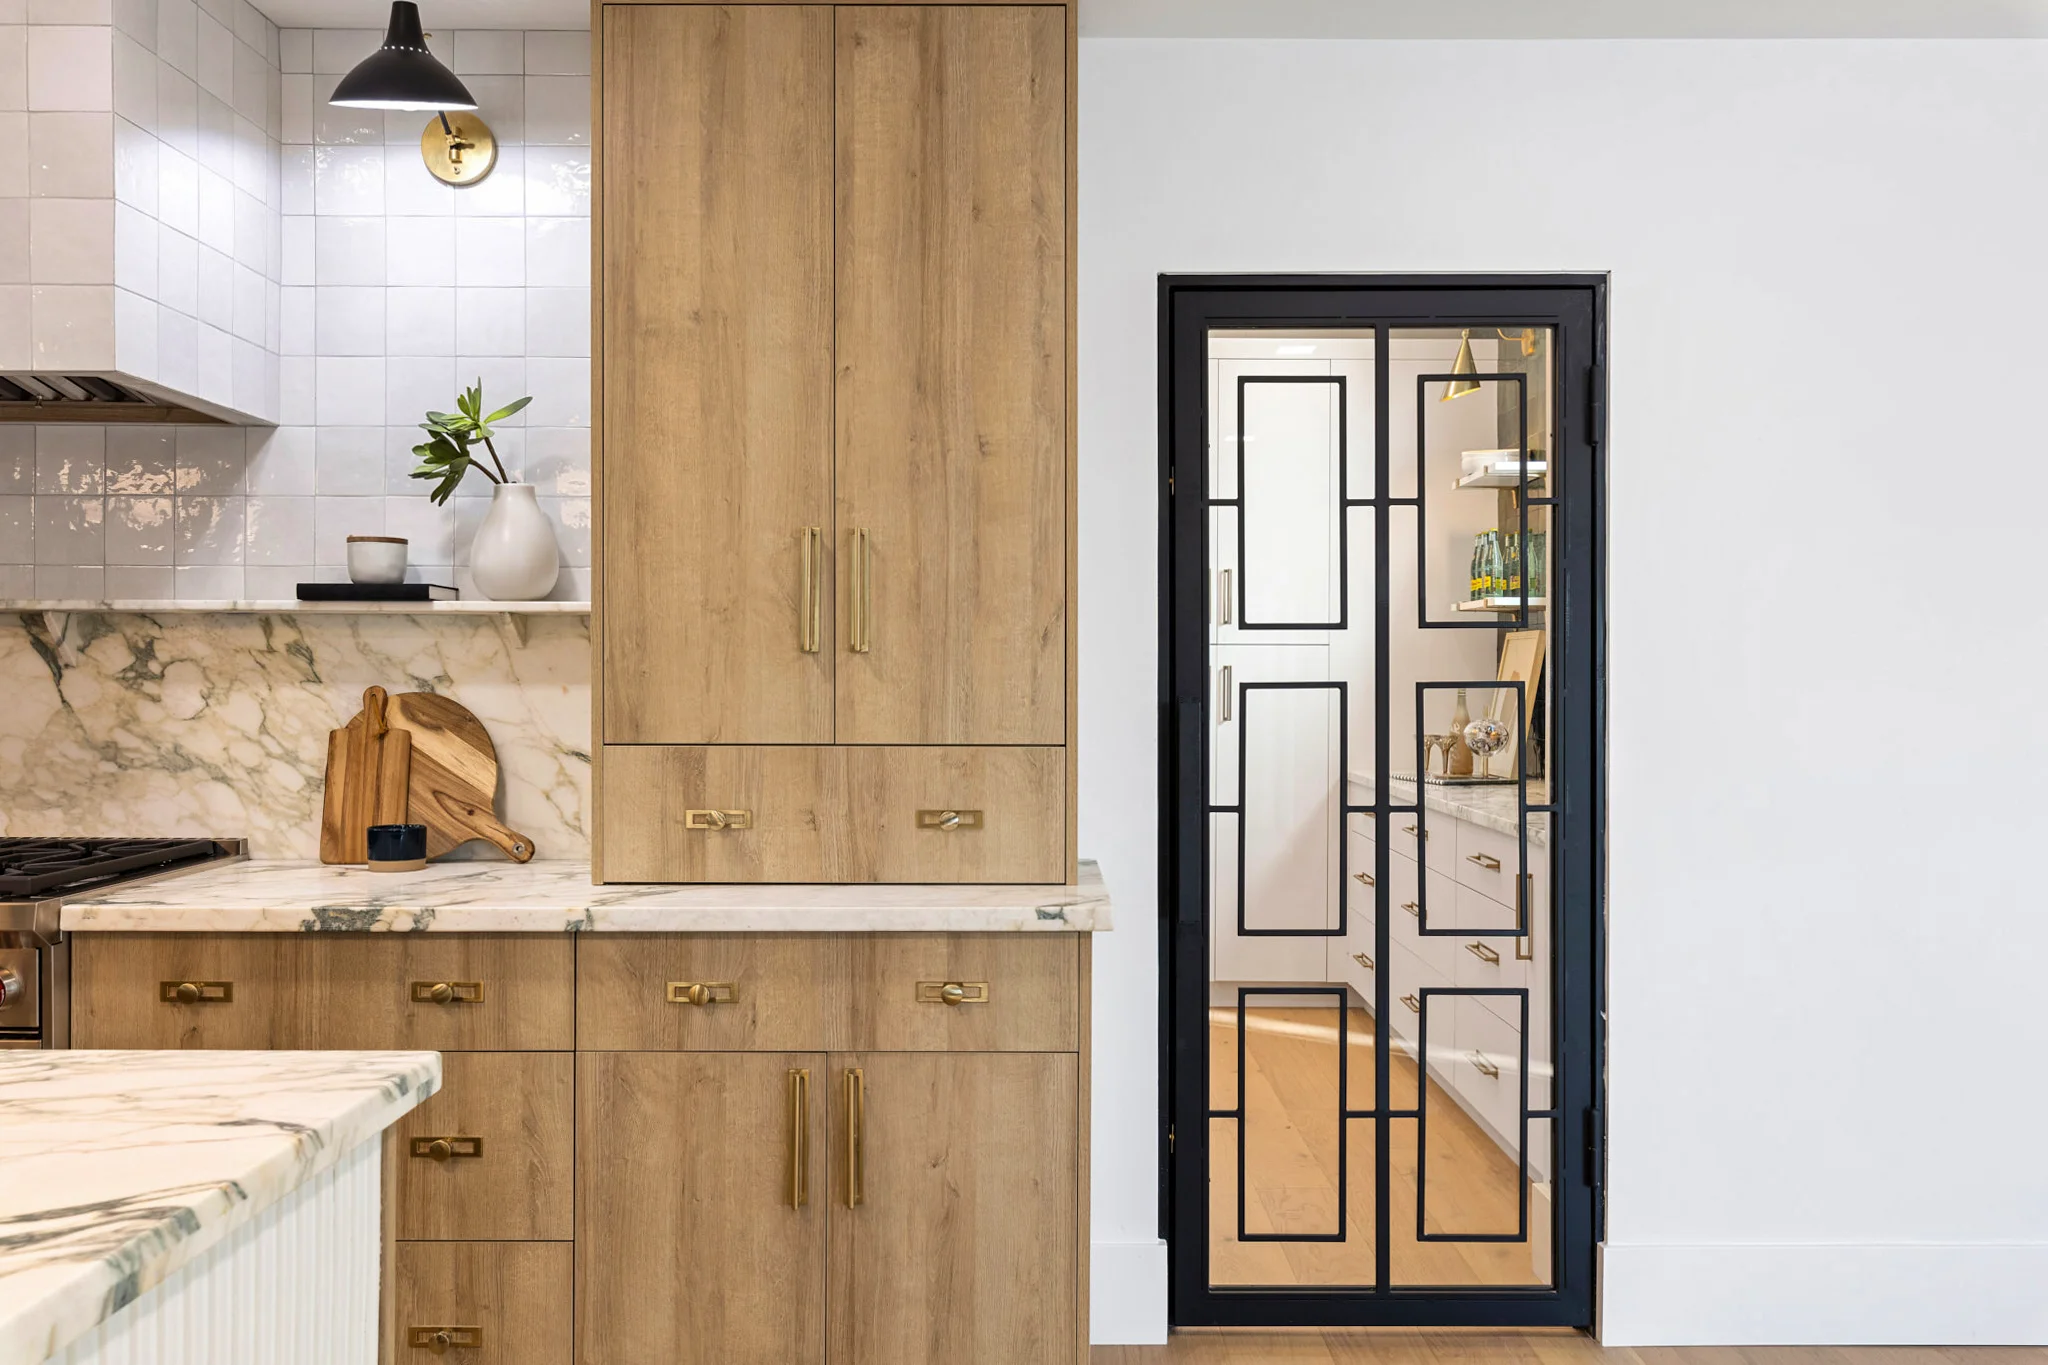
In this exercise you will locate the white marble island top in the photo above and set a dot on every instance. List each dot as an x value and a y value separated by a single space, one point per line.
557 896
120 1167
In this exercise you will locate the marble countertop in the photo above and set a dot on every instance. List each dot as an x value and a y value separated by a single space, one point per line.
1490 807
121 1167
556 896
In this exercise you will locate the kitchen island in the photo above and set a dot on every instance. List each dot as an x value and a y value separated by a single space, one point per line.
179 1207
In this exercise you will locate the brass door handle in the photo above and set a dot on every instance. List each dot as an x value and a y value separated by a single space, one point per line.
718 819
1365 878
702 992
810 629
447 1148
856 1152
448 992
860 599
1490 864
1362 960
1412 908
1223 597
1484 1067
799 1137
1223 691
1414 1005
1525 943
1483 953
196 992
441 1340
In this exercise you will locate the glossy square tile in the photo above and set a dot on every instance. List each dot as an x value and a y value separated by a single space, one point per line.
177 109
13 153
70 530
348 251
177 270
280 461
471 52
335 50
207 582
349 390
71 241
348 321
139 530
71 458
141 583
558 252
70 67
503 378
17 458
336 519
490 251
558 181
558 460
558 322
348 461
501 194
211 460
141 460
177 190
413 387
280 530
13 241
71 325
214 67
557 110
70 583
135 166
430 530
135 68
177 347
135 334
298 235
177 34
419 251
295 49
347 180
13 66
17 529
558 52
216 289
409 191
561 391
419 321
251 300
71 155
490 321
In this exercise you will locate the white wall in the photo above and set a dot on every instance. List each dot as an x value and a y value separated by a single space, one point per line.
1826 933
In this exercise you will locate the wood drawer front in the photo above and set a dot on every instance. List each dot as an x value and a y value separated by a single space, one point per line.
508 1119
818 813
516 1294
1021 992
325 991
771 992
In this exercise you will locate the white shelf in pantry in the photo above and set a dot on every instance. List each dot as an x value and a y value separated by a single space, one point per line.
1507 474
1503 604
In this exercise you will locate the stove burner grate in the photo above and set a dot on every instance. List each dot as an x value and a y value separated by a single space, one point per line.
31 867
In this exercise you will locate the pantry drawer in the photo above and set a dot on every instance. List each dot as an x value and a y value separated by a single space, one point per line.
1410 975
1489 961
1405 917
1353 959
761 992
1437 834
830 813
488 1156
446 992
482 1303
1484 1065
1488 860
965 992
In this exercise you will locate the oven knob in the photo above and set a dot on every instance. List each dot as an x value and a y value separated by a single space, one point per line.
11 987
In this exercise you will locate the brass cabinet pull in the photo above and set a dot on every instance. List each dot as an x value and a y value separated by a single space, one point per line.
1484 1067
1414 832
1525 945
718 819
1483 953
196 992
950 819
1223 597
856 1153
1490 864
447 1148
1412 908
1365 878
799 1137
1362 960
448 992
441 1340
810 629
1223 690
860 598
1414 1005
952 992
702 992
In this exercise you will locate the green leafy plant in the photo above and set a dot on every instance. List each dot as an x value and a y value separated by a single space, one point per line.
445 455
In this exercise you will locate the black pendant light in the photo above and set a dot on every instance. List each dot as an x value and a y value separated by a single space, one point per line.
402 74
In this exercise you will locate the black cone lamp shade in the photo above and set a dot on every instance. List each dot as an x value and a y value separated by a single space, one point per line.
402 74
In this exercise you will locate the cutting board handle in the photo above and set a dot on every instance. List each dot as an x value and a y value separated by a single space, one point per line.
373 711
482 824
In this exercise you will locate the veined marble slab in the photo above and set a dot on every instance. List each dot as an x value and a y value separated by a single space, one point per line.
120 1167
557 897
1490 807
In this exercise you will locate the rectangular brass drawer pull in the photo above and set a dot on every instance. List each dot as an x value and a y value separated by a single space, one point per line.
702 992
856 1152
1362 960
1483 953
1223 690
1414 1005
860 597
448 992
1489 863
809 628
196 992
952 992
718 819
440 1340
949 819
799 1137
1223 597
1412 908
1411 830
447 1148
1485 1068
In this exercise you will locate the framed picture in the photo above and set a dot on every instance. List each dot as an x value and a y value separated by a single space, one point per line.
1521 660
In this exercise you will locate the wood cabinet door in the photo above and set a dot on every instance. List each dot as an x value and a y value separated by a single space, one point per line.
955 1219
716 397
952 366
692 1247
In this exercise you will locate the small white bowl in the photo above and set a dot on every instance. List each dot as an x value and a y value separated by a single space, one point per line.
376 559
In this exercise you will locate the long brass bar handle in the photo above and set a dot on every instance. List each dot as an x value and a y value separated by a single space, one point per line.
856 1153
861 593
810 629
1223 597
799 1137
1223 691
1525 945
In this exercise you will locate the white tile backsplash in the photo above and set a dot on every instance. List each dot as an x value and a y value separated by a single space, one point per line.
558 53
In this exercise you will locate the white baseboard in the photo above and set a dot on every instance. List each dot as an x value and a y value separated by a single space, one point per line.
1127 1293
1957 1294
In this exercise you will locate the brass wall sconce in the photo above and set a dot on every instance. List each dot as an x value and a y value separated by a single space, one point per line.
403 74
460 150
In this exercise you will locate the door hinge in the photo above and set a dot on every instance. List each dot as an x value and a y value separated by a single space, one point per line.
1169 485
1169 1139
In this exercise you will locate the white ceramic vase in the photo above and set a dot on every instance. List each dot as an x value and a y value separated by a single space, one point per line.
514 557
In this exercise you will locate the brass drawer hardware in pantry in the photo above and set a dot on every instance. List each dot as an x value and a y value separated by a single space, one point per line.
799 1137
447 1148
1414 1005
1362 960
1483 953
196 992
949 819
856 1119
1484 1067
702 992
1414 833
718 819
448 992
810 629
1364 879
1490 863
441 1340
1525 945
1412 908
860 611
952 992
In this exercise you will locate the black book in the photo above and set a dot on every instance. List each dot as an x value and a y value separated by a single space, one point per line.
375 592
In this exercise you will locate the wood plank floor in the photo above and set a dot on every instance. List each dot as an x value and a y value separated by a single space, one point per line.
1405 1347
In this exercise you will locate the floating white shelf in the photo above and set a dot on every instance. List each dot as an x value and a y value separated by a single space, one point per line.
1506 475
292 606
1503 604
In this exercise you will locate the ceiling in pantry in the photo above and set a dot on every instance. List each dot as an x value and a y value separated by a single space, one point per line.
442 14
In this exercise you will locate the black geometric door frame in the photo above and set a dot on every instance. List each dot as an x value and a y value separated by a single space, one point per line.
1573 307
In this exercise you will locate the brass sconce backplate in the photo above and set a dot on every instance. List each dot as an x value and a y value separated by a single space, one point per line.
464 158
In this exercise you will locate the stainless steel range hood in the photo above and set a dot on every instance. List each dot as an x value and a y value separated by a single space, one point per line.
60 396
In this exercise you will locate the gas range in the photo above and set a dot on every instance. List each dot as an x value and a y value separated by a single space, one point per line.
36 877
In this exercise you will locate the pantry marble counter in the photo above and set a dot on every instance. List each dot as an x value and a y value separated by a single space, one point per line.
1490 807
122 1167
557 896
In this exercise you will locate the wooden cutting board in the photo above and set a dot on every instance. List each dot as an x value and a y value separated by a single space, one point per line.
453 784
368 763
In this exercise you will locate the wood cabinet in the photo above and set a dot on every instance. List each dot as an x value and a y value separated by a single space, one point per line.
833 451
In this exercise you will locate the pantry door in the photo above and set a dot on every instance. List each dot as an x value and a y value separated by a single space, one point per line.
1381 633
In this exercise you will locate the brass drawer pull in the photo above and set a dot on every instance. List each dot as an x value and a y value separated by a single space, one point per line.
949 819
448 992
441 1340
196 992
718 819
799 1137
856 1150
1414 1005
1223 691
1485 1068
1223 597
1362 960
1483 953
860 599
1414 832
1490 864
447 1148
702 992
1412 908
809 628
1365 878
952 992
1525 945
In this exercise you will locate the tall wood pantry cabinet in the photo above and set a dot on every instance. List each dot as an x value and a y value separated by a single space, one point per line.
833 629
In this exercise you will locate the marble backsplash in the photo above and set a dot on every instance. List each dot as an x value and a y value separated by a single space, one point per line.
216 724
